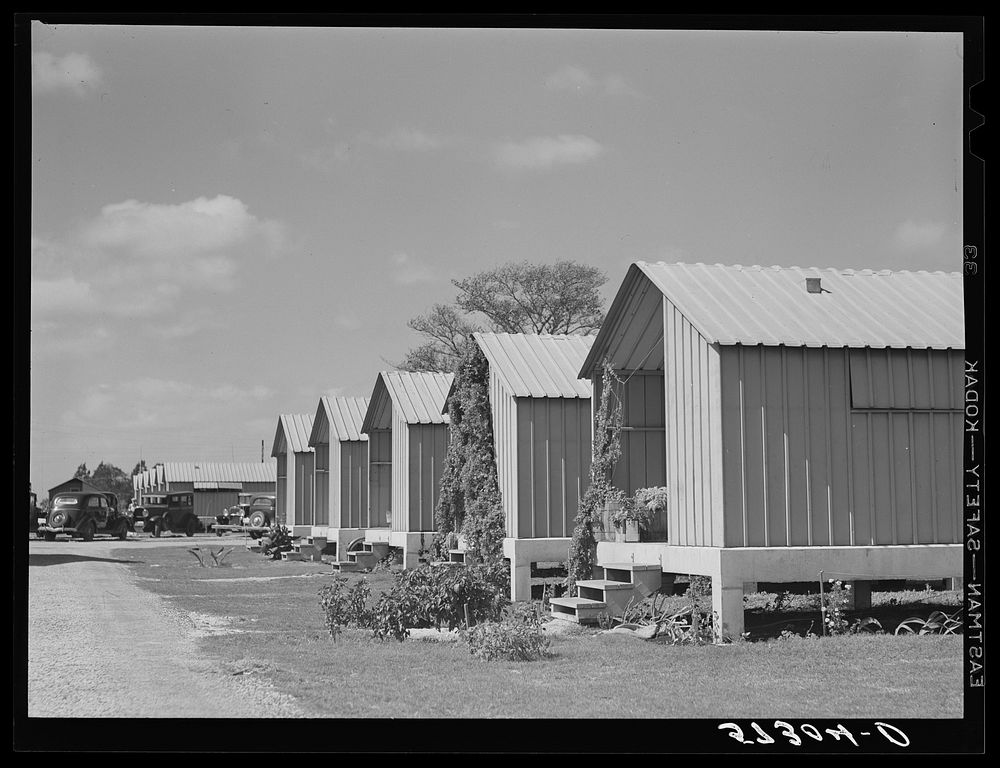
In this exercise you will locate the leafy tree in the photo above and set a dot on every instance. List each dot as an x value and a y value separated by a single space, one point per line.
515 298
108 477
139 467
470 500
82 472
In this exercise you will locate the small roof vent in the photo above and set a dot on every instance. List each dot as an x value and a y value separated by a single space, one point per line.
813 285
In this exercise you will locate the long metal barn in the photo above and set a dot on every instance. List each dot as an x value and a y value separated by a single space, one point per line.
341 473
295 460
214 485
407 443
810 425
541 435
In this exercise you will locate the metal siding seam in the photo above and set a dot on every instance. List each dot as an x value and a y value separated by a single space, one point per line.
914 536
743 444
784 433
850 450
531 449
562 469
892 475
548 469
871 481
807 443
930 421
763 438
684 456
957 462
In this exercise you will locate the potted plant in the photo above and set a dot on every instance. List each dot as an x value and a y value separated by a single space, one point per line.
628 518
650 502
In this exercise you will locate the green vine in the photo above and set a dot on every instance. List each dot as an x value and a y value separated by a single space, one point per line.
606 452
469 500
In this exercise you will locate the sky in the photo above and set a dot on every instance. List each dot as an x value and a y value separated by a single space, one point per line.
229 223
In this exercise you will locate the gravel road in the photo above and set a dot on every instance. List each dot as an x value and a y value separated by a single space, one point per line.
100 646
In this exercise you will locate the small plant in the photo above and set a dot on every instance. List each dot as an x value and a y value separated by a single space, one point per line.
218 558
642 506
518 636
334 601
835 603
345 607
277 540
938 623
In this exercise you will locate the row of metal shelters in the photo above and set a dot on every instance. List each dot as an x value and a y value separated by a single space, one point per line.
801 419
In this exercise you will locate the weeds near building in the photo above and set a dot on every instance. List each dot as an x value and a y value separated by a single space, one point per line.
606 452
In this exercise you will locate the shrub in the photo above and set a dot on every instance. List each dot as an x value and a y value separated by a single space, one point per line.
938 623
276 541
420 598
517 636
345 607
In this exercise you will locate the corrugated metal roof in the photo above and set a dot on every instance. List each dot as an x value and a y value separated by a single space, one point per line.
344 416
538 365
293 431
419 396
857 308
237 472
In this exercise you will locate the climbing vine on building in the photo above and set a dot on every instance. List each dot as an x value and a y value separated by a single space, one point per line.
469 501
606 452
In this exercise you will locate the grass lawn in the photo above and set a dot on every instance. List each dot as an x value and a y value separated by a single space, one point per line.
263 618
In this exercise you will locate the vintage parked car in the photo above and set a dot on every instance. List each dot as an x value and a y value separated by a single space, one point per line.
177 516
261 514
83 514
151 505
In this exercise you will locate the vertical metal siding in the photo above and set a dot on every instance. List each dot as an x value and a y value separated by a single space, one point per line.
400 472
428 448
553 454
692 433
303 463
803 467
321 482
503 411
353 486
380 442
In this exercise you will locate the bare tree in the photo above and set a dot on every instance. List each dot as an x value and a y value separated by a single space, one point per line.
515 298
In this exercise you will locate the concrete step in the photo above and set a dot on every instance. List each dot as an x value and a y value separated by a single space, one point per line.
292 556
579 609
605 584
647 577
364 558
340 565
380 548
316 541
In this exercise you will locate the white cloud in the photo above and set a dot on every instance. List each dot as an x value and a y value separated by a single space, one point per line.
577 79
75 71
409 140
914 235
62 296
154 230
139 259
542 152
407 270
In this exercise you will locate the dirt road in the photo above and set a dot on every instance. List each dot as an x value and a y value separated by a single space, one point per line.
100 646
